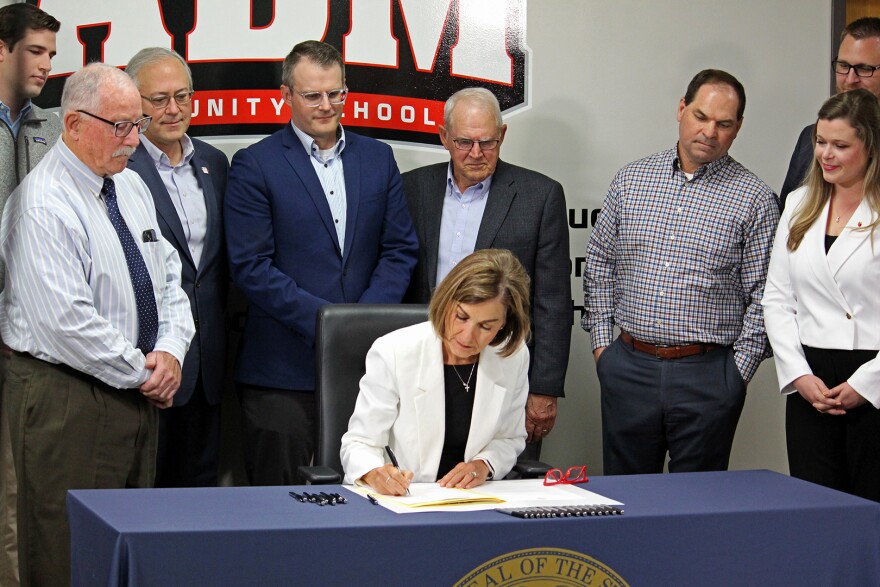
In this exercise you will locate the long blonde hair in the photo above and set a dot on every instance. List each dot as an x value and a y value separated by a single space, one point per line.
861 109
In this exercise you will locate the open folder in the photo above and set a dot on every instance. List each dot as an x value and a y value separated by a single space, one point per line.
520 493
425 495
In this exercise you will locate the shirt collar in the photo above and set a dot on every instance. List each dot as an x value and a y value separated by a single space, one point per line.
703 170
6 113
312 147
79 170
480 189
161 159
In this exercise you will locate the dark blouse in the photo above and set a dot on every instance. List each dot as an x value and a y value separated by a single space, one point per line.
829 240
459 409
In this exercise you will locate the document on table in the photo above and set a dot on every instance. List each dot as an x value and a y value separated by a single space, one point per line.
520 493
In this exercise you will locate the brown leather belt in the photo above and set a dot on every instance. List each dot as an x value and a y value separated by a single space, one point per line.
667 351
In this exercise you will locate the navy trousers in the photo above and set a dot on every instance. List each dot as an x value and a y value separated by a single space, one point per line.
688 407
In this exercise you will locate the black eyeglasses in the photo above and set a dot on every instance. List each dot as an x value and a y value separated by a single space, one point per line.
162 101
468 144
576 474
862 70
121 129
314 99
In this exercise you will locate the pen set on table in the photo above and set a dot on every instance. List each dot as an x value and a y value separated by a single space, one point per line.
321 499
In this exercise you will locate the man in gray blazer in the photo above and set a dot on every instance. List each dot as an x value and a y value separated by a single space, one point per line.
187 179
477 201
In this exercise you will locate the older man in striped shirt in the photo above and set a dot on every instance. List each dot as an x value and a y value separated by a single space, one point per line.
95 314
677 261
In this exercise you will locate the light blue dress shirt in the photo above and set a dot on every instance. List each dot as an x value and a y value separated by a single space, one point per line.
185 192
460 224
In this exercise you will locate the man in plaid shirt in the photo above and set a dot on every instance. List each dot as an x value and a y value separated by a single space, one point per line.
677 261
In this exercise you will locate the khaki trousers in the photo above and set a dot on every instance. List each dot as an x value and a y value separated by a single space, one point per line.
69 431
8 498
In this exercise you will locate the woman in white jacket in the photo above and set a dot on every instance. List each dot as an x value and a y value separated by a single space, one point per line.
448 396
822 303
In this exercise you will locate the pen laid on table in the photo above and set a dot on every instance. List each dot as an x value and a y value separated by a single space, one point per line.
394 462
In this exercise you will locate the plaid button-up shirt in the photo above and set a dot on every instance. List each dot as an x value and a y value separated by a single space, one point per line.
676 261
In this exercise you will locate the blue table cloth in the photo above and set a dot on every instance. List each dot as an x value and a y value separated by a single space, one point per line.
725 528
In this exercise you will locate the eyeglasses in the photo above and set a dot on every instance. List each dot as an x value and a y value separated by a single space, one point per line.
160 102
862 70
468 144
314 99
576 474
121 129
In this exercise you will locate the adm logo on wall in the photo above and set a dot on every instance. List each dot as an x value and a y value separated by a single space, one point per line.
403 57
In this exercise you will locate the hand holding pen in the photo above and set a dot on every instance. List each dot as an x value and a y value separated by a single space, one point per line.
394 462
389 479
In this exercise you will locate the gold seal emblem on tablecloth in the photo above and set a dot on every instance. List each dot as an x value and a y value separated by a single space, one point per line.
537 567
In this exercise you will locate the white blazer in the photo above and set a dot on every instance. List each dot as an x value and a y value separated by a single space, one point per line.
824 301
402 404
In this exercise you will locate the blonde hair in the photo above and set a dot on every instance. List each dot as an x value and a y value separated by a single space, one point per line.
861 109
482 276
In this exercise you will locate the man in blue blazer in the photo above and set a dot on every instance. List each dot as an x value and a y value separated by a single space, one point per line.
187 179
314 215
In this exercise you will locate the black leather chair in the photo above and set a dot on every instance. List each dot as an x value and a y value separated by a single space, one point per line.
345 332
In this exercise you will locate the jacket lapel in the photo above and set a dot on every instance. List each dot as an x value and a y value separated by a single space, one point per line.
487 403
430 404
852 237
501 196
141 162
298 159
433 213
212 209
819 262
351 163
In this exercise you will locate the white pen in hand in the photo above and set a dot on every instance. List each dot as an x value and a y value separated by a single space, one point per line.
394 462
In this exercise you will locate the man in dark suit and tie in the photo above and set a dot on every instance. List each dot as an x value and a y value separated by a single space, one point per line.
187 179
315 214
476 201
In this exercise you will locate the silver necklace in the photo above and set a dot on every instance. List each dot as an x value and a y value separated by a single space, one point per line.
466 384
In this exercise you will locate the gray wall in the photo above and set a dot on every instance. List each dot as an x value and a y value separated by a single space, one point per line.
606 78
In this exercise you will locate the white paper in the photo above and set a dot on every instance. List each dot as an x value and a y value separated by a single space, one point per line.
519 493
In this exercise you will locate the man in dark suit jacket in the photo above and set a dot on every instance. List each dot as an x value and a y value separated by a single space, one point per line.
855 67
187 179
478 202
314 215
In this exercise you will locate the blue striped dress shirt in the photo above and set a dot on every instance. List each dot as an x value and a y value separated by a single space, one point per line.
68 297
674 260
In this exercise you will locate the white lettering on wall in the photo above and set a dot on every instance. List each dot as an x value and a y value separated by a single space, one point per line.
223 29
370 40
133 25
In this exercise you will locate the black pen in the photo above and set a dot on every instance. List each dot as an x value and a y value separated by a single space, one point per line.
340 498
329 498
372 499
314 498
394 462
297 496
